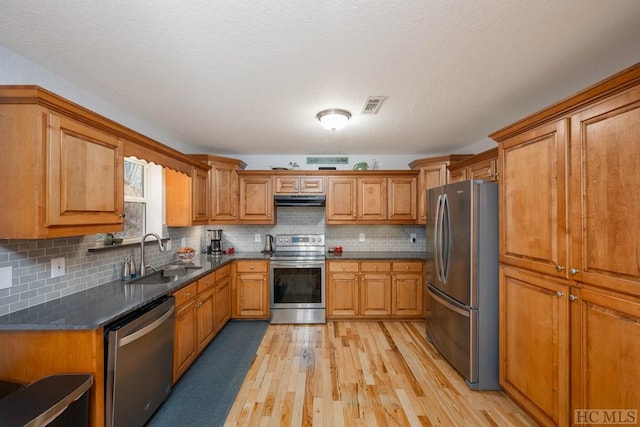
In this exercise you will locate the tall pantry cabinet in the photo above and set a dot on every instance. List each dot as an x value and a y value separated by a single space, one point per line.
570 254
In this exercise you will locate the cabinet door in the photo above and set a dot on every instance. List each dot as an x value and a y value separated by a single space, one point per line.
223 302
224 193
375 294
458 175
483 170
341 200
200 196
85 175
430 177
342 294
287 184
185 339
311 184
605 193
604 351
252 296
534 337
256 200
177 192
406 294
403 199
206 317
533 201
372 199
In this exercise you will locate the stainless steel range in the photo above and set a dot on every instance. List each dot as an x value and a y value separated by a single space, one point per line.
297 289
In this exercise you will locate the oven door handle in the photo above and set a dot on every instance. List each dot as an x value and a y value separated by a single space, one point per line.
297 264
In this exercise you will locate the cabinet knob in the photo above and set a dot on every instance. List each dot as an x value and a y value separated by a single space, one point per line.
572 297
560 294
573 271
375 267
559 268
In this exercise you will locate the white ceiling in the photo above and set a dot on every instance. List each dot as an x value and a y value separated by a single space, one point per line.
248 77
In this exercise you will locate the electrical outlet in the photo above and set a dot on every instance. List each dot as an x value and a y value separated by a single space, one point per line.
57 267
258 238
167 245
412 237
361 237
183 242
6 277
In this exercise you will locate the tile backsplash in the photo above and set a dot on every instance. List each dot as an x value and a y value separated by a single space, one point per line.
30 260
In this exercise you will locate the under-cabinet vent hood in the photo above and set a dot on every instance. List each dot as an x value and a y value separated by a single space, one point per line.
299 199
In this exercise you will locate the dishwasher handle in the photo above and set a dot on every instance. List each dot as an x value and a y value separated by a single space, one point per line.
145 330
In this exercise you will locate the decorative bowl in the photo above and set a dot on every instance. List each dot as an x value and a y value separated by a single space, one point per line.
186 254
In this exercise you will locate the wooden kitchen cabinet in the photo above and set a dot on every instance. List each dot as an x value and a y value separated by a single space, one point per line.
374 289
222 187
256 199
534 337
186 197
63 176
285 184
222 297
407 288
433 173
479 166
250 291
370 198
185 345
342 288
200 195
574 232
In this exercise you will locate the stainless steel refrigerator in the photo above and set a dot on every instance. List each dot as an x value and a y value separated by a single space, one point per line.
462 278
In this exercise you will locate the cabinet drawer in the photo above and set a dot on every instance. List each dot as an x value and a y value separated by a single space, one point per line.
185 294
375 266
252 266
206 282
343 267
223 272
407 266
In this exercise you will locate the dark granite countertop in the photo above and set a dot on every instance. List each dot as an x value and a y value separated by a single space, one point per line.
96 307
368 255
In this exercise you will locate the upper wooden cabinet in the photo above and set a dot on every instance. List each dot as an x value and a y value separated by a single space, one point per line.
371 198
256 198
433 173
186 197
480 166
223 187
63 175
298 184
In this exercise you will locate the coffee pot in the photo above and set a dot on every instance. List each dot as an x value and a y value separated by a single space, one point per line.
215 237
268 243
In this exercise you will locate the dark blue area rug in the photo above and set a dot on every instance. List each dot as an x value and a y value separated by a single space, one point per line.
205 393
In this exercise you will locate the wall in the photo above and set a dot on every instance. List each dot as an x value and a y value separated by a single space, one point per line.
31 270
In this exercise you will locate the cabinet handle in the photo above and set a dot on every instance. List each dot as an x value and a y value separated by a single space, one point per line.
375 267
559 268
572 297
188 294
573 271
560 294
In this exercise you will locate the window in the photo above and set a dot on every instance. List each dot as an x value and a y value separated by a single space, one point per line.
142 198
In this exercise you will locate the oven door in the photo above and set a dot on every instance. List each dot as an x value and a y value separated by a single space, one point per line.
297 284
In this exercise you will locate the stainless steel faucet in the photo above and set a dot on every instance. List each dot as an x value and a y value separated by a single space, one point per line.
143 266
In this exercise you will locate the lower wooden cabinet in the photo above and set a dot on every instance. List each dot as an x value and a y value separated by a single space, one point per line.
566 348
374 289
202 310
250 291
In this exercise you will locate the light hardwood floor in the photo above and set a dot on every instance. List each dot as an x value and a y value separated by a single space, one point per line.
361 374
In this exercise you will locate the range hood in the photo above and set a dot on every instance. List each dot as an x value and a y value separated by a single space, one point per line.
299 200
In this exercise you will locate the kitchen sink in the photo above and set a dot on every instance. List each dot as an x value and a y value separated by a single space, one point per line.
166 274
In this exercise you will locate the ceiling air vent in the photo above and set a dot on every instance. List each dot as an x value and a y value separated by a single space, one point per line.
372 104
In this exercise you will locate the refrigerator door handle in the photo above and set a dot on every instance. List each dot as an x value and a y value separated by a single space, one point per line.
446 238
436 239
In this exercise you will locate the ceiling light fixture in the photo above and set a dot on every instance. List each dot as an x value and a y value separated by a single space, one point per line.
333 118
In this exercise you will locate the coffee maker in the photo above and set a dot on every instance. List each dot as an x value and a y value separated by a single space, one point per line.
216 242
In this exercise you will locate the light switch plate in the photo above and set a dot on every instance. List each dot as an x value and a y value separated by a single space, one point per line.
361 237
57 267
6 277
412 237
258 238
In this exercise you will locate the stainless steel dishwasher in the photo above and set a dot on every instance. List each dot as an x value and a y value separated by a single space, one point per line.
139 364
